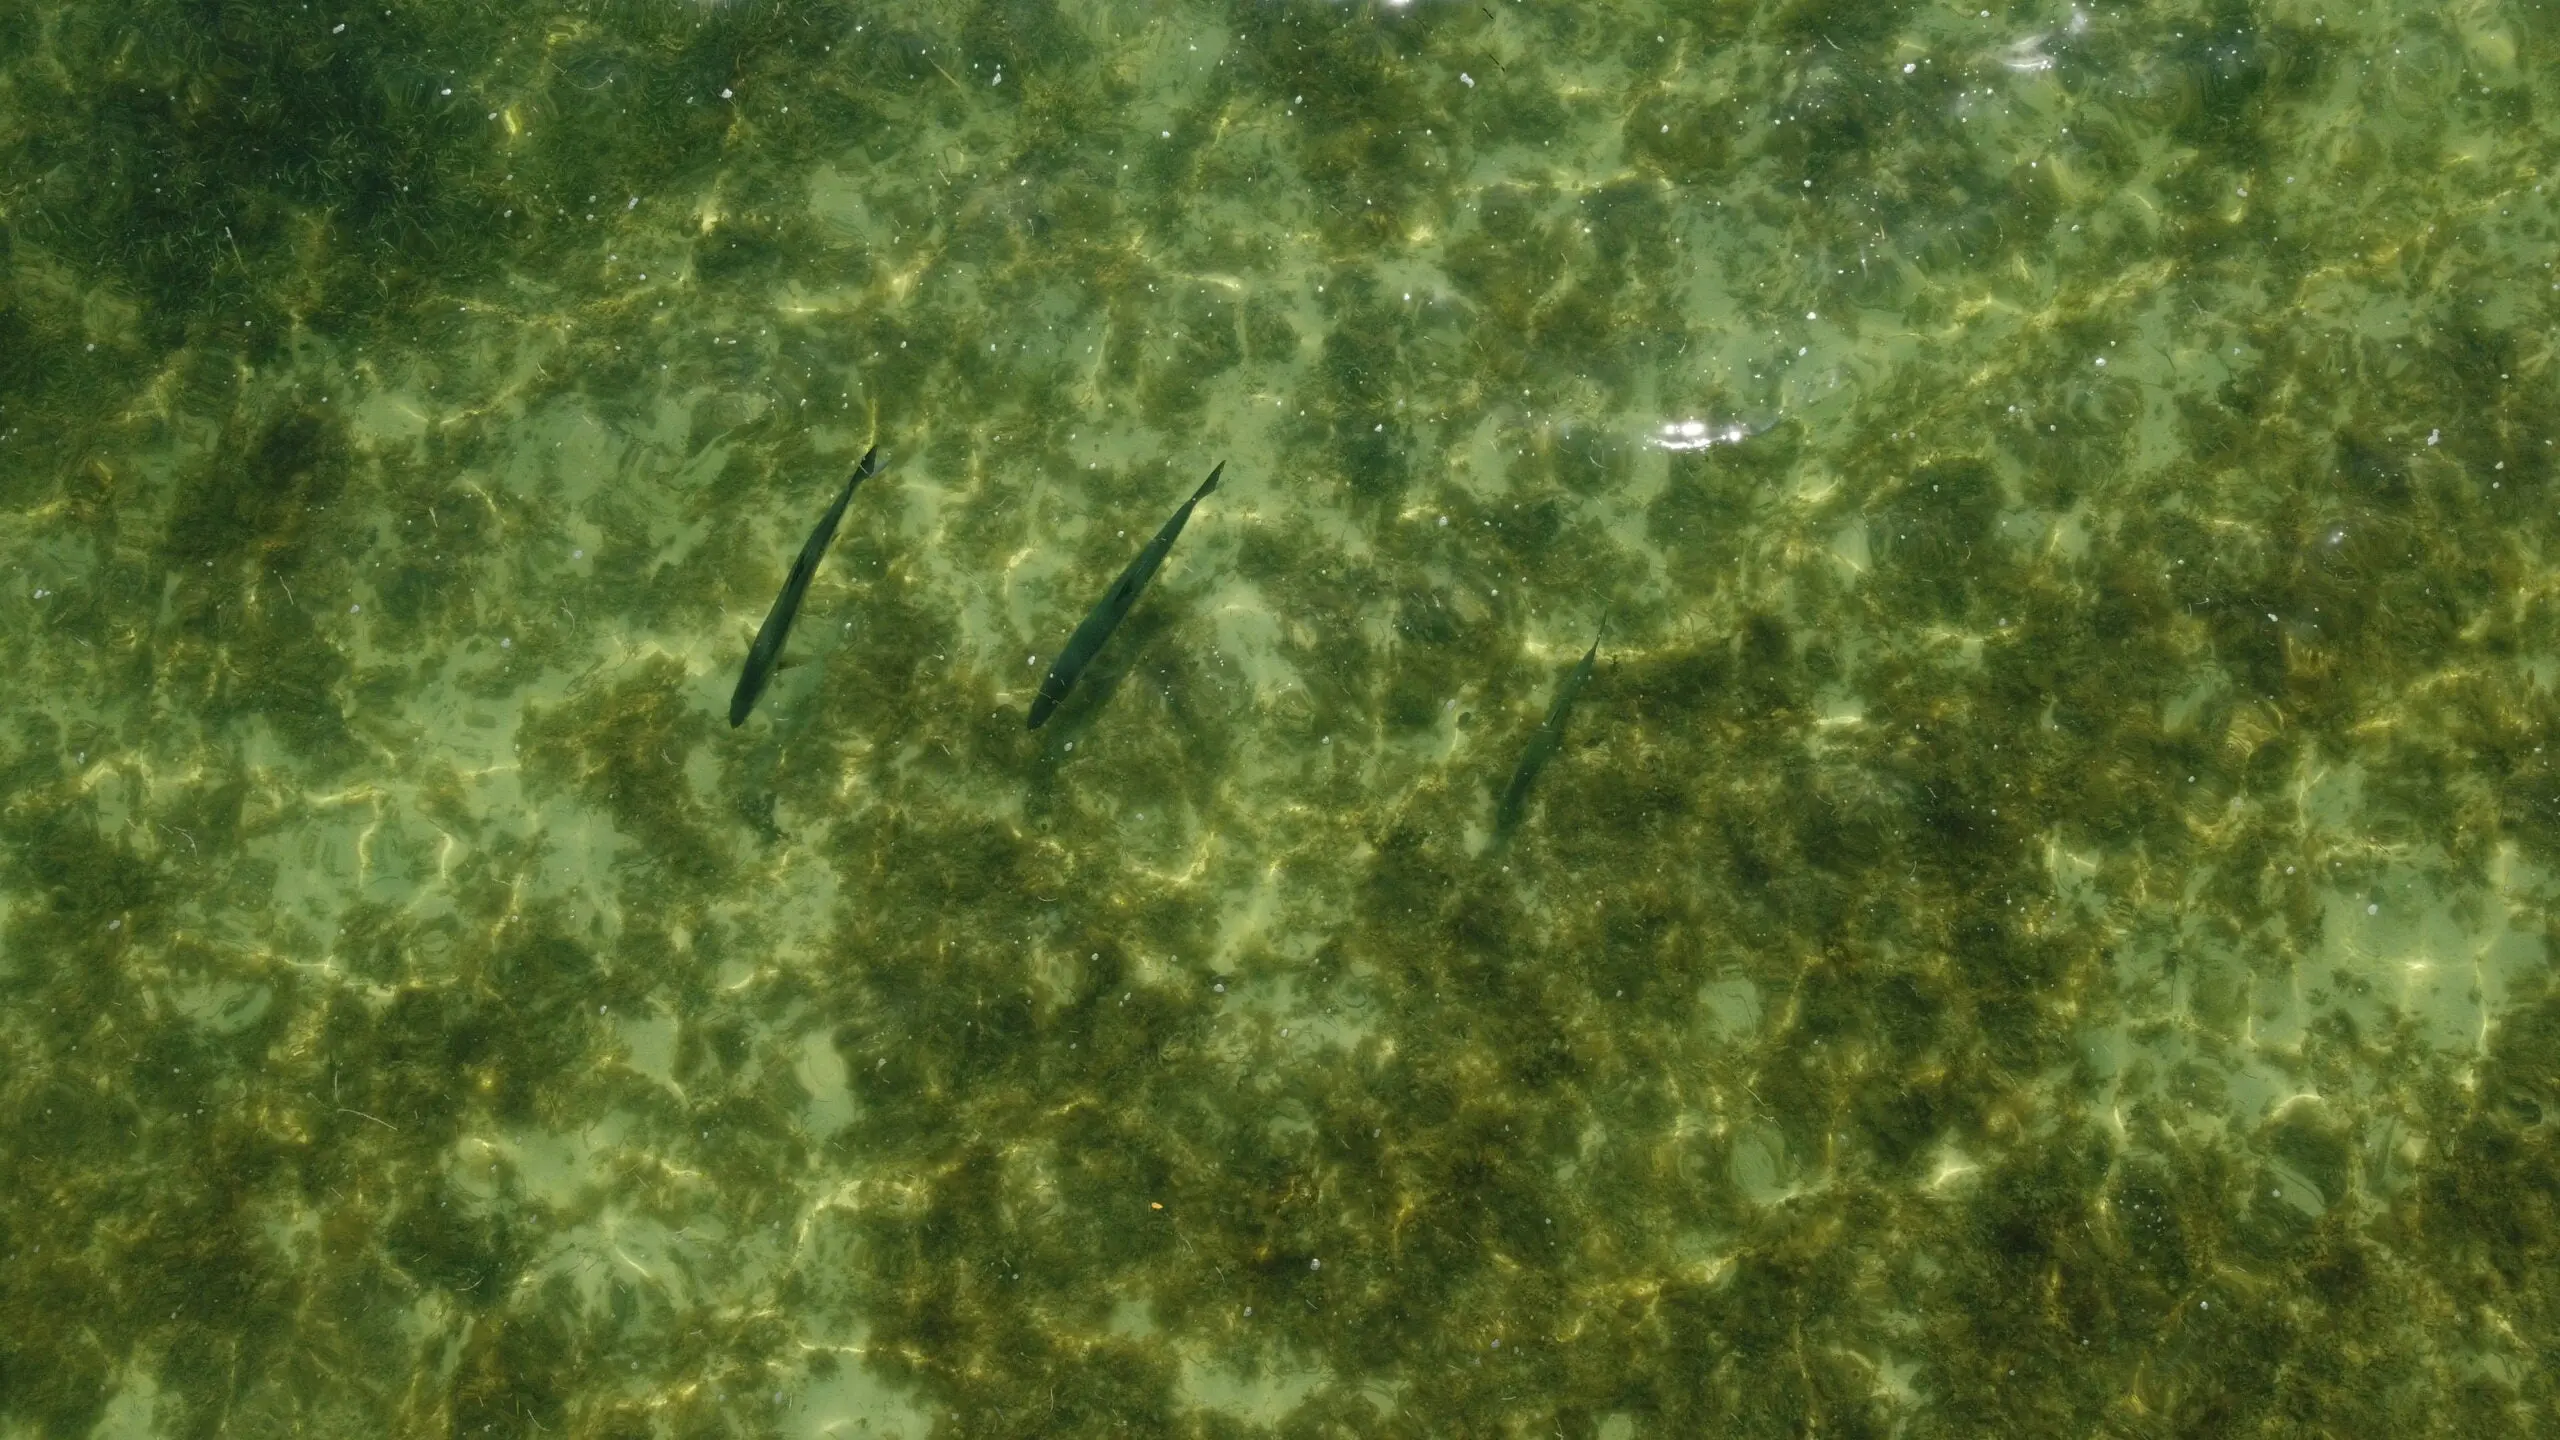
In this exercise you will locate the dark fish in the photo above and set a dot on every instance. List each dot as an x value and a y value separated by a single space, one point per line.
1543 745
786 606
1106 617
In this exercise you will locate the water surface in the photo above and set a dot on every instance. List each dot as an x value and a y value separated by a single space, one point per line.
2038 923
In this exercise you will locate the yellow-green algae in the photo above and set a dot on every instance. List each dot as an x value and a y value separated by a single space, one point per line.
2040 925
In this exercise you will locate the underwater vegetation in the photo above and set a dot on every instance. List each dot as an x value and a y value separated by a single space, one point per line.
2038 922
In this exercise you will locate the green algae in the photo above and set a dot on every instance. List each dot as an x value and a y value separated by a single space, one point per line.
2039 926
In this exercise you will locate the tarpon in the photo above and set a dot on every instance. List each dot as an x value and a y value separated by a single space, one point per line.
1543 745
1106 617
762 655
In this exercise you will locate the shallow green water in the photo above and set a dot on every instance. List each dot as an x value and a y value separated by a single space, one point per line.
2037 924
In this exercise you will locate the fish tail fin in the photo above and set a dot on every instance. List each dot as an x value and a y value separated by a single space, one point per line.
1209 484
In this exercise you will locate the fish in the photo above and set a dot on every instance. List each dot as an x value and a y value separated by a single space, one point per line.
1106 617
1544 744
767 651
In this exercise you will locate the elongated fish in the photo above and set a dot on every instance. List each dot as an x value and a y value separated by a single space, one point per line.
1543 745
762 655
1106 617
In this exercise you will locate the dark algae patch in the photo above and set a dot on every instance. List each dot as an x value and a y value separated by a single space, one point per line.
2038 922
